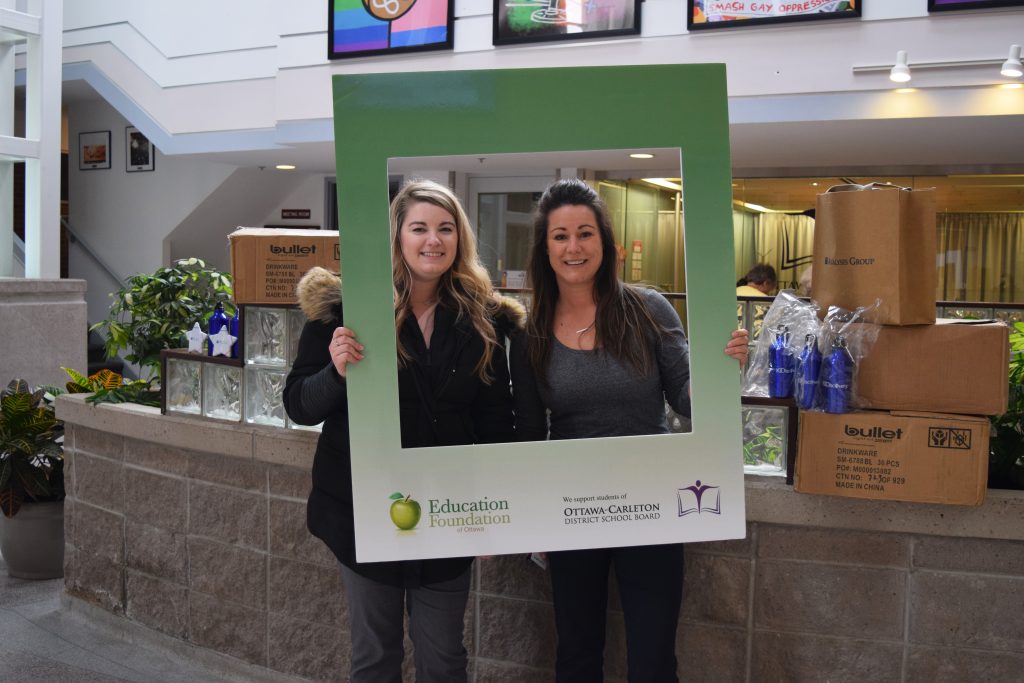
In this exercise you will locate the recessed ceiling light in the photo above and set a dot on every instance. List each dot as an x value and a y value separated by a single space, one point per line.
641 155
285 167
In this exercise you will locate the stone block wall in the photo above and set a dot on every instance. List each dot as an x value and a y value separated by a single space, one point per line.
44 325
211 548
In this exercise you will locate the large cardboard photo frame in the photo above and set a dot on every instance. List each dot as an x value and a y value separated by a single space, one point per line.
521 497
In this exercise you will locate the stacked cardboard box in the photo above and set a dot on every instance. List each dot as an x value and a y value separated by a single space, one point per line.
928 384
266 263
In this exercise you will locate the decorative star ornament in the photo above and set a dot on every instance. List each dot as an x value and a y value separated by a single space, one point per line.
222 342
195 337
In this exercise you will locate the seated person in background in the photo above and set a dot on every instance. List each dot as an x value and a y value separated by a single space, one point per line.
760 281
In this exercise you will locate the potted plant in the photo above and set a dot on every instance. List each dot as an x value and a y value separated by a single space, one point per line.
153 312
31 484
1006 443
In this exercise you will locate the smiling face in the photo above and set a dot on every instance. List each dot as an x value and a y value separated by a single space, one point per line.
429 241
574 245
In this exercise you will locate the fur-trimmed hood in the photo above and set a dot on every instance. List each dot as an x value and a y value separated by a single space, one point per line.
319 293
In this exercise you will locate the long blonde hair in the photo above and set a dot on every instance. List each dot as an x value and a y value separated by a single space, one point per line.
466 285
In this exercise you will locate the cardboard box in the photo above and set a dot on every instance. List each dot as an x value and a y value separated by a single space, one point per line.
917 457
876 242
954 366
266 263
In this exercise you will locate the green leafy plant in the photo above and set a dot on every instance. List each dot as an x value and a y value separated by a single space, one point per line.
1006 443
153 312
107 386
31 450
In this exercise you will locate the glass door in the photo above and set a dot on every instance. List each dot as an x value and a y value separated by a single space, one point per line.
501 209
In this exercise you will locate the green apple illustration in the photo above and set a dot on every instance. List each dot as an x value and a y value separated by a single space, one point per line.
405 512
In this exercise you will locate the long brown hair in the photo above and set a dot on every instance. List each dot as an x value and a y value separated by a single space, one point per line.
623 322
465 286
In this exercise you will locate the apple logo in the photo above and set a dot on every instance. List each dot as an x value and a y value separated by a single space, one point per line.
405 512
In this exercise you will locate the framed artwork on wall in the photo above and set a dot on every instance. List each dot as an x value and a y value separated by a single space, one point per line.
358 28
532 21
139 152
710 14
947 5
94 150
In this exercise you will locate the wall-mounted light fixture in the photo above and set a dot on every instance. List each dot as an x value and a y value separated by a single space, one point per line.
1012 67
900 72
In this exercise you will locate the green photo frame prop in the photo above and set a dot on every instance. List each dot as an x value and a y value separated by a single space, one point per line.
521 497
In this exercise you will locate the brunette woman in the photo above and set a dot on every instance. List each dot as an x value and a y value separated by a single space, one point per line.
600 359
453 389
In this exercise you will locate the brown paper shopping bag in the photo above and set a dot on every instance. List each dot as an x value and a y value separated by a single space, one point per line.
873 242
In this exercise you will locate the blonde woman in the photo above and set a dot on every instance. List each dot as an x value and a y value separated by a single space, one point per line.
453 387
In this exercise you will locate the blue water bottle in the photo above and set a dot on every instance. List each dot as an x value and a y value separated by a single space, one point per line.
781 364
233 329
837 377
808 374
217 320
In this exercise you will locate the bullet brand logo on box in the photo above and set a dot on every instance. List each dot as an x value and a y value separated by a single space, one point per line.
293 250
874 432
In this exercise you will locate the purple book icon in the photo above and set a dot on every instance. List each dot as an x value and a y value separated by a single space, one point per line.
699 498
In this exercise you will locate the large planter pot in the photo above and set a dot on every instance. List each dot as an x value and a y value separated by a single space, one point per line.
32 541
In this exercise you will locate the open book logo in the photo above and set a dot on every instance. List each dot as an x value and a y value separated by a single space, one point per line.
699 498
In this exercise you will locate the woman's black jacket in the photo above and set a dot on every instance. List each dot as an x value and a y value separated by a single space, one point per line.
442 401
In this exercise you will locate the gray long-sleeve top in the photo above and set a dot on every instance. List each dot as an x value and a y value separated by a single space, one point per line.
591 394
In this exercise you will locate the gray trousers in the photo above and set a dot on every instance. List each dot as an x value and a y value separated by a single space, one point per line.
436 613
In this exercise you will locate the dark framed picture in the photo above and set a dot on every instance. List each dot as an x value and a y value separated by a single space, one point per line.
534 21
947 5
709 14
139 152
94 150
357 28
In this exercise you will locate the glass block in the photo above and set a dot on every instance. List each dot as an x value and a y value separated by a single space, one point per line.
764 440
1010 315
296 320
264 388
677 424
266 335
968 312
222 391
184 380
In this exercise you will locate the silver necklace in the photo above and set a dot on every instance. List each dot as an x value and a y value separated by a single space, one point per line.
580 333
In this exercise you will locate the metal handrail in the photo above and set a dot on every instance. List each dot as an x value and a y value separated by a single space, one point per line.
73 237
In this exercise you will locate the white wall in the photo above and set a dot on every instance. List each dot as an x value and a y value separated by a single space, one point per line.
309 194
270 69
126 216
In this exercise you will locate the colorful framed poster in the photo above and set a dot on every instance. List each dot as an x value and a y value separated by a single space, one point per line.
531 21
139 152
708 14
488 499
356 28
94 150
948 5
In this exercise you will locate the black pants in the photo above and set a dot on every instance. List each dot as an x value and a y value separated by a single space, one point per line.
650 580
